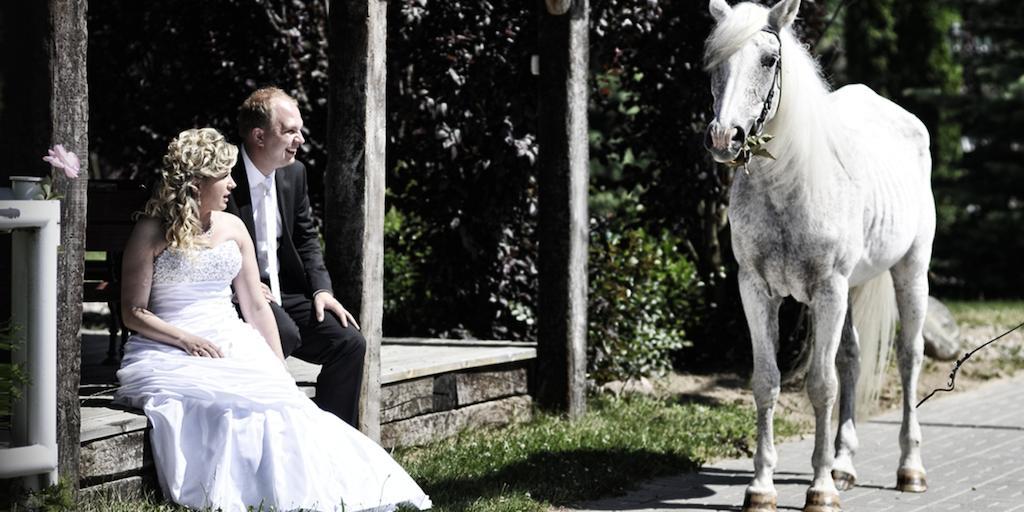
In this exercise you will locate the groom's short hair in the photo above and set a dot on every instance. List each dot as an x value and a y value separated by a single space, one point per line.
257 110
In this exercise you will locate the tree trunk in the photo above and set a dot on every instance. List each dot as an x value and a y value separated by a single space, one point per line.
354 181
69 118
559 382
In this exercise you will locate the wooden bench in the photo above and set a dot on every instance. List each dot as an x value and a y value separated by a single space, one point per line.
430 389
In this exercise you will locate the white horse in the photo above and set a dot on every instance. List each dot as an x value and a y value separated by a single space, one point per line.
845 204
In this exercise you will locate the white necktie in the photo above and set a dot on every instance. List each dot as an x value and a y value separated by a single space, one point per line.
268 222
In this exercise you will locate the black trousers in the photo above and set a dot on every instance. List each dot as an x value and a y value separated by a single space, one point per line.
339 349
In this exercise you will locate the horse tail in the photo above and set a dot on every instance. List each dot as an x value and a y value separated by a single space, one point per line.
874 317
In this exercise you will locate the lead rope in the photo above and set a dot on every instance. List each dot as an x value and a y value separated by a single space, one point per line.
959 362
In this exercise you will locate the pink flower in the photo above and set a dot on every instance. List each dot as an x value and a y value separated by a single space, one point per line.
63 159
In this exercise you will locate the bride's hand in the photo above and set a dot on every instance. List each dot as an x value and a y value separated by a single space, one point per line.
200 347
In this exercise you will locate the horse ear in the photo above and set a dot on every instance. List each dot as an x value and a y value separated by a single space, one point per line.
783 14
719 9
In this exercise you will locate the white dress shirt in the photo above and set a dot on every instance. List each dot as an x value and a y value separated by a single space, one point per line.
263 192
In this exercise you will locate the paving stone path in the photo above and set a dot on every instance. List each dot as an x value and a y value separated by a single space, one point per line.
973 453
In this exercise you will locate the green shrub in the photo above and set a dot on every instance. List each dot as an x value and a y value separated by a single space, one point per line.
13 377
403 254
643 294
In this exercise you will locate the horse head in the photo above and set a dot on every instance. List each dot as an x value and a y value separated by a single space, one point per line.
744 58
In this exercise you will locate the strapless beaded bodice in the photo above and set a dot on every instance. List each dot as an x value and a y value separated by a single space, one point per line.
219 263
194 284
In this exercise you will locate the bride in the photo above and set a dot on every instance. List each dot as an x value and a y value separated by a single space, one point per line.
230 429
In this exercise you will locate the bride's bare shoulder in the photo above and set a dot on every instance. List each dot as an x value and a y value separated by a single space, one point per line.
148 235
233 226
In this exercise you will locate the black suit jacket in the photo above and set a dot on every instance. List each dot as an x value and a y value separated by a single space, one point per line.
301 267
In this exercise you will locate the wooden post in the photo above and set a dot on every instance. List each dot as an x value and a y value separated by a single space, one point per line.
69 119
354 181
563 181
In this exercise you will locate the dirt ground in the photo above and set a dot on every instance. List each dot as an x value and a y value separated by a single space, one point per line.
999 360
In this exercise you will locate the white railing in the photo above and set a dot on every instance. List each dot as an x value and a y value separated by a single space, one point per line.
34 241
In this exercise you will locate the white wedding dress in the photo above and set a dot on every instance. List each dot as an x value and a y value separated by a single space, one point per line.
234 432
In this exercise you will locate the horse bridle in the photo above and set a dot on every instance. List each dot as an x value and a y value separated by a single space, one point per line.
767 105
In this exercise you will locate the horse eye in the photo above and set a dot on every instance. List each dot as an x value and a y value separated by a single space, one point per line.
769 60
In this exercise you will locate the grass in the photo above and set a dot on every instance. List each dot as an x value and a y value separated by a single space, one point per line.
550 461
1002 314
618 444
987 319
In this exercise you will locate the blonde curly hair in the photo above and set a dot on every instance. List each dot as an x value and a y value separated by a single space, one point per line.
193 156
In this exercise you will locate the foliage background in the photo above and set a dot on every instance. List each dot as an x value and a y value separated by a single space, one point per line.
460 230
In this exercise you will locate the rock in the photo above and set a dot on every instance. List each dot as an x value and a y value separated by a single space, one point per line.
641 386
941 333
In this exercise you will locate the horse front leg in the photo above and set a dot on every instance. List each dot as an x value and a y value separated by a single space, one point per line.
829 304
762 312
848 365
910 280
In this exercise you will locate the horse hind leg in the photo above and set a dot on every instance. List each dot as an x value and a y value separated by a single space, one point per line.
848 365
911 283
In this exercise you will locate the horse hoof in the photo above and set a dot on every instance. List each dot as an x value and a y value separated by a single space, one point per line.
758 502
911 480
844 481
818 501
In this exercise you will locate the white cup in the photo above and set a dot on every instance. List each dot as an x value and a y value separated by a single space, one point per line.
27 187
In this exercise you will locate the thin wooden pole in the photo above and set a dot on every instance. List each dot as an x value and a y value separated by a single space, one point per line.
69 118
559 382
354 181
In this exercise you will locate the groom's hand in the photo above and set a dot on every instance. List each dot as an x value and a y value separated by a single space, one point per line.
267 294
324 300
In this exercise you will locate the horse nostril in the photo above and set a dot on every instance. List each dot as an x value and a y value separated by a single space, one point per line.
739 136
708 143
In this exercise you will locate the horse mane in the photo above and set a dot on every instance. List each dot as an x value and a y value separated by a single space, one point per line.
803 143
743 23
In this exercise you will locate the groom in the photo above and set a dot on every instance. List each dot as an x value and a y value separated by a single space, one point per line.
271 199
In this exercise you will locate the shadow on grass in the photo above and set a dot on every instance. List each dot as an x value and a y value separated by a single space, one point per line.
560 478
696 398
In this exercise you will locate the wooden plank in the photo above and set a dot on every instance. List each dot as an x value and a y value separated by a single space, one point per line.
455 390
466 343
563 170
439 425
136 487
354 181
406 399
115 455
404 362
304 373
100 422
